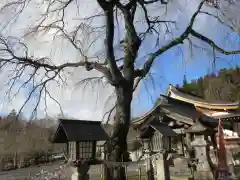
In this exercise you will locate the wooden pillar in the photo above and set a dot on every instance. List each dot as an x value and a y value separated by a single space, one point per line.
67 149
77 150
94 144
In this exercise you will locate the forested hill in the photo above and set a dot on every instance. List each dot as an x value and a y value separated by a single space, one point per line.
222 86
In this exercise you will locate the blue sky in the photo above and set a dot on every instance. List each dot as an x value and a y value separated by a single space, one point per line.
170 69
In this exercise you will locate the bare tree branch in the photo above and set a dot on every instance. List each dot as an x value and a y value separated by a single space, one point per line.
43 62
216 17
212 43
189 30
121 70
179 40
154 1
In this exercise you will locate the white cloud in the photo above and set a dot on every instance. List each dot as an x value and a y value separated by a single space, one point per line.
77 102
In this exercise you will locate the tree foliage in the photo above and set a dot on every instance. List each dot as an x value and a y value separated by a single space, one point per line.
23 140
223 86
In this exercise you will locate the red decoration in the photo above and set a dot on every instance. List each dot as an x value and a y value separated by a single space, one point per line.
222 170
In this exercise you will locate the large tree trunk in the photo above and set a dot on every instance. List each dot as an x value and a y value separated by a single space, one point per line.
121 128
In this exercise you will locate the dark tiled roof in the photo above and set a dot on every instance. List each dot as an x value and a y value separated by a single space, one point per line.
147 115
179 111
79 130
184 112
163 129
197 127
208 119
147 133
190 99
165 101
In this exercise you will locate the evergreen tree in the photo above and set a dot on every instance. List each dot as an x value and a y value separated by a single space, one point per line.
12 115
224 86
185 83
200 87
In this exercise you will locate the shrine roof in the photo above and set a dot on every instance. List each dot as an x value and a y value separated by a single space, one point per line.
197 127
79 130
199 102
177 110
163 129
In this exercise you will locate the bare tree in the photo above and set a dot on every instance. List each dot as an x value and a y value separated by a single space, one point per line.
226 11
121 72
229 10
218 90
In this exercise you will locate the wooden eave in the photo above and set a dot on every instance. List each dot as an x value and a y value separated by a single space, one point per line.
164 130
197 102
79 130
230 115
197 128
145 116
60 135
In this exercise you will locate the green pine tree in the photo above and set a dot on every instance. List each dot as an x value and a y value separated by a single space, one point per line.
12 115
185 83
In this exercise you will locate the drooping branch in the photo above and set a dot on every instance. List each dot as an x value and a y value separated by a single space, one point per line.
35 66
152 22
38 88
217 18
148 64
189 31
132 3
154 1
212 43
43 62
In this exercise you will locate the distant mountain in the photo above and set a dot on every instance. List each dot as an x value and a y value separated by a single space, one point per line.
221 86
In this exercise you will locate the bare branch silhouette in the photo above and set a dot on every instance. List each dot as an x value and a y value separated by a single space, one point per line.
84 34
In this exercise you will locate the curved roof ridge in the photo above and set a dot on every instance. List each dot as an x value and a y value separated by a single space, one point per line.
196 100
